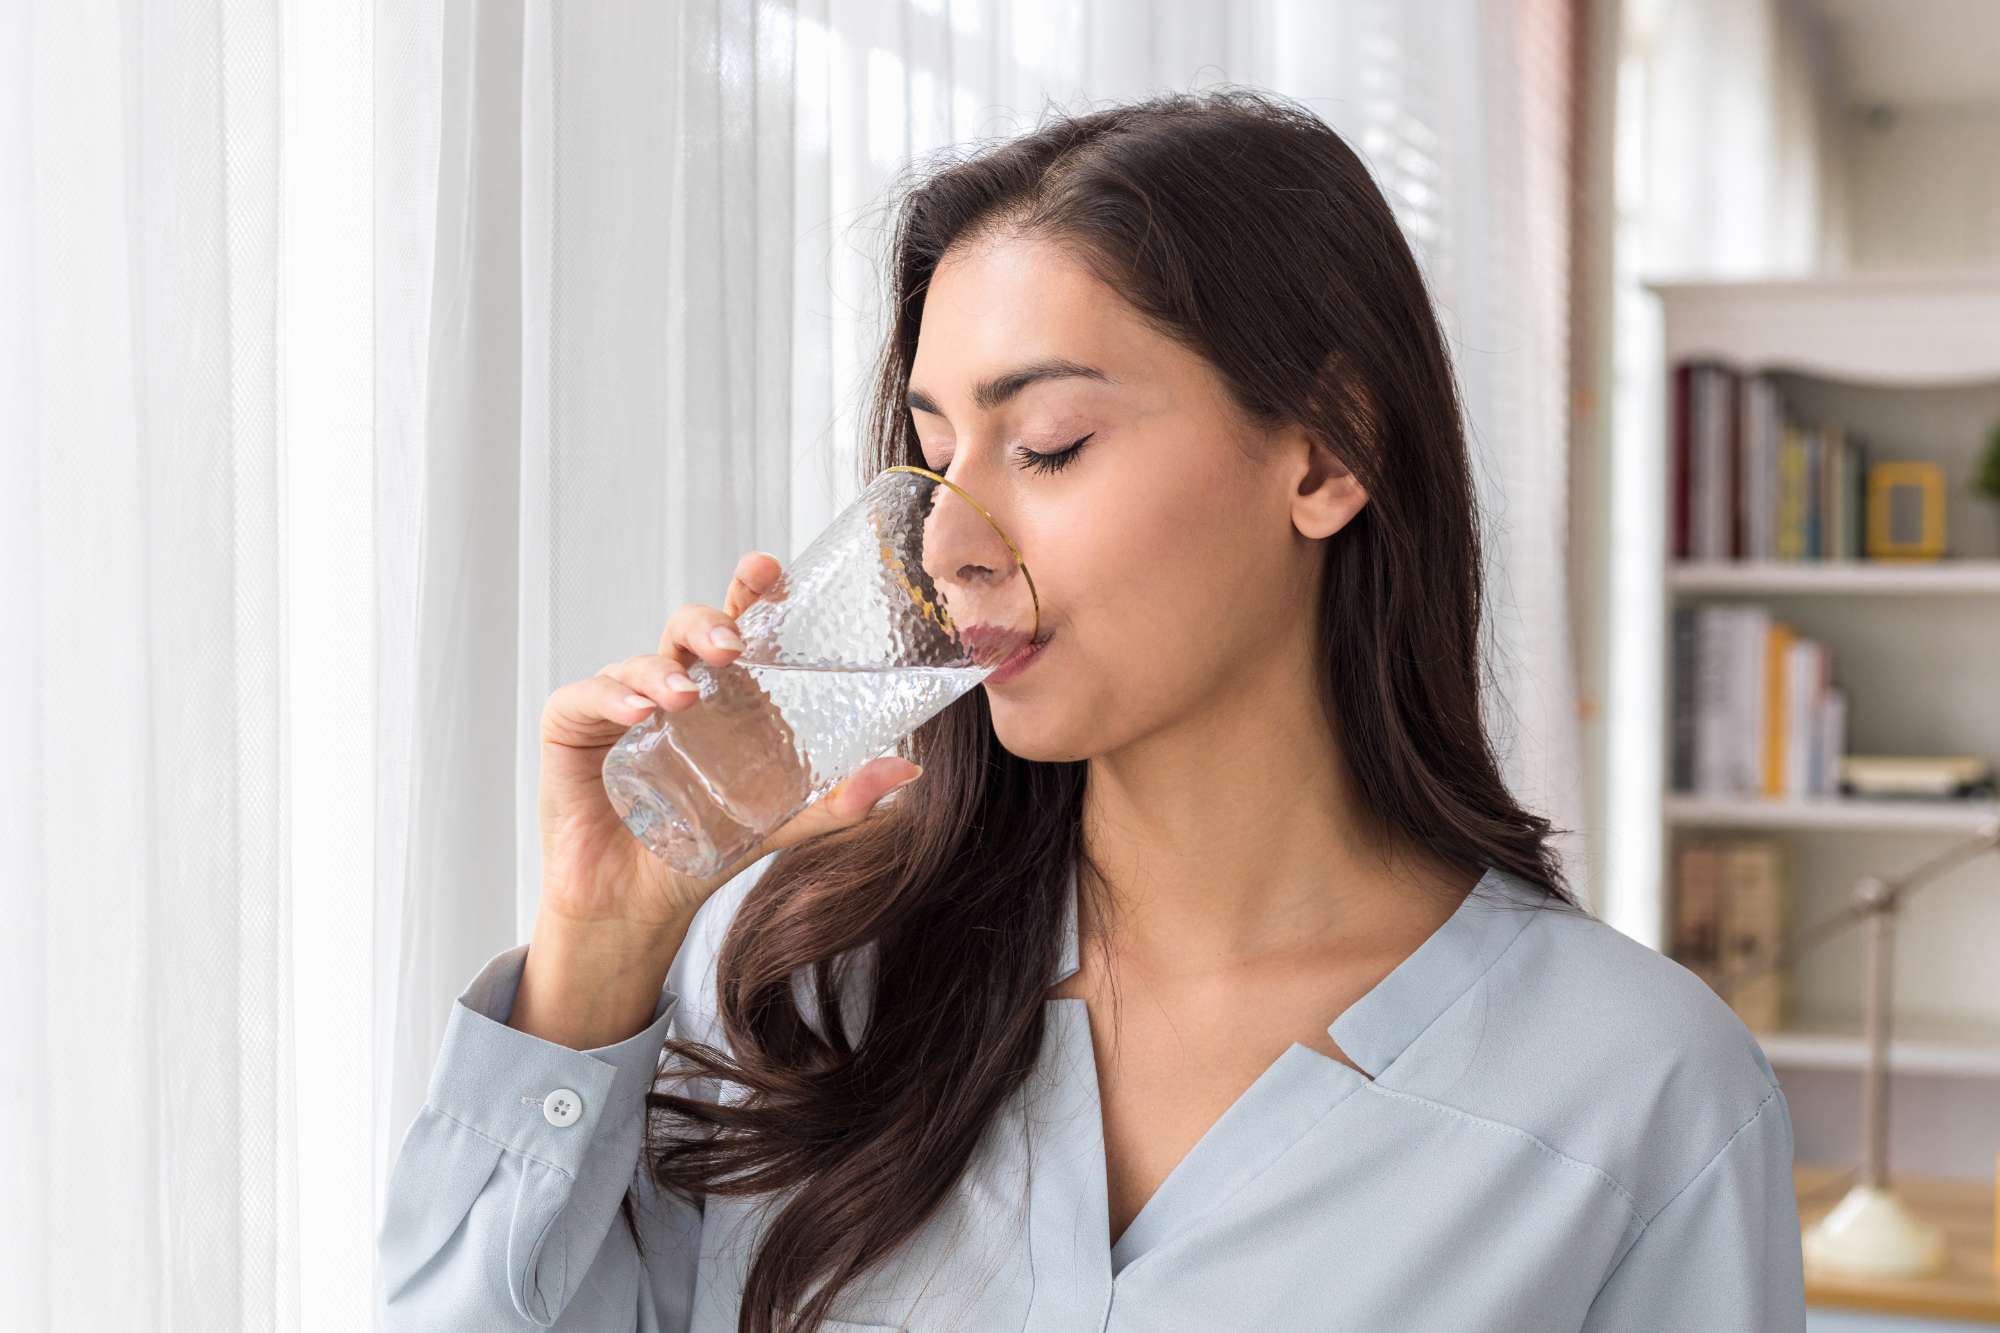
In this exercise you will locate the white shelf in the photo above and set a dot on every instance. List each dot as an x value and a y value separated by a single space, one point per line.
1948 1047
1846 814
1891 328
1775 577
1892 280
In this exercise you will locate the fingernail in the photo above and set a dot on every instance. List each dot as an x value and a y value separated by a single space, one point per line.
637 701
908 780
724 637
679 682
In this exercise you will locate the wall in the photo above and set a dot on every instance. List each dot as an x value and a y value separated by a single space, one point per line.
1925 186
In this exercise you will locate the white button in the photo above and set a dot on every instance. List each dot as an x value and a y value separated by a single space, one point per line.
562 1107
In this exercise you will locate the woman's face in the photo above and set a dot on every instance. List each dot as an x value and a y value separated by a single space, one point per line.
1173 553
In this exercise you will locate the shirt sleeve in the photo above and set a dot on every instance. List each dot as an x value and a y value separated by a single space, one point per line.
1722 1255
503 1207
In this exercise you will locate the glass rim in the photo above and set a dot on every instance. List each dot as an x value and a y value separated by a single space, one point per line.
1021 564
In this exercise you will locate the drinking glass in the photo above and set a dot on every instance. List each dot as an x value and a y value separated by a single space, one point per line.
910 597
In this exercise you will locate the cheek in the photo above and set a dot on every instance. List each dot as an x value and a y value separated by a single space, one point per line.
1147 575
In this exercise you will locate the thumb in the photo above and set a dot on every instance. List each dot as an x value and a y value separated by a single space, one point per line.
867 785
848 803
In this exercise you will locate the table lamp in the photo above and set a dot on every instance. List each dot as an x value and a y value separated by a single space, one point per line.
1870 1233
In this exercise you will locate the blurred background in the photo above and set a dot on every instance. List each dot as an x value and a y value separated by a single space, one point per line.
367 370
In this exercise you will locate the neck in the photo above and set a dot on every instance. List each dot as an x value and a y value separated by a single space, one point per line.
1238 836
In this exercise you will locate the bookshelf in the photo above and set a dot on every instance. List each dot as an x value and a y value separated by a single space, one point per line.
1910 364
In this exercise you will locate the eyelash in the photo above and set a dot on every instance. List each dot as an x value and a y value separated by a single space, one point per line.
1054 462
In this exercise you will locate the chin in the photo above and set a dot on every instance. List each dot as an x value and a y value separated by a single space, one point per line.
1030 729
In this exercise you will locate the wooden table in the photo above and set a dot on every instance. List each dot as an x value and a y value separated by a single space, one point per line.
1966 1288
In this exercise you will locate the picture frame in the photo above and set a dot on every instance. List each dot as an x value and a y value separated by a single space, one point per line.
1906 511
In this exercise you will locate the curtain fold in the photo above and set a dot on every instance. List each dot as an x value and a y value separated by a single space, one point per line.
139 627
372 369
457 742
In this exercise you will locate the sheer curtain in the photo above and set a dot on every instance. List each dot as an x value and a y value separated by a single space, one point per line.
371 369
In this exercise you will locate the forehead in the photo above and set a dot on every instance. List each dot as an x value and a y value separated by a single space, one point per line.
1005 301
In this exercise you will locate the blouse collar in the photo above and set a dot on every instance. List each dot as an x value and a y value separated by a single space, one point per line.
1379 1026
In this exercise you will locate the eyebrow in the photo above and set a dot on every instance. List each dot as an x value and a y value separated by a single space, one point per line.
1000 388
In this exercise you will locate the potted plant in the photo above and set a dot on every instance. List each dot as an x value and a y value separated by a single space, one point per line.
1986 473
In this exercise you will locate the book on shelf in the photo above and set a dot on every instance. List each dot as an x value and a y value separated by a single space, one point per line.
1756 711
1752 482
1732 908
1692 937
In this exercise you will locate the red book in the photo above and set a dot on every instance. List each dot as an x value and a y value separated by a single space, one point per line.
1682 440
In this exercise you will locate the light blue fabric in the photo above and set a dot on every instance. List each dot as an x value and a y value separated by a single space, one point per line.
1560 1129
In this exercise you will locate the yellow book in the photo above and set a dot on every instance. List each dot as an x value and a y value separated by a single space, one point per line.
1777 647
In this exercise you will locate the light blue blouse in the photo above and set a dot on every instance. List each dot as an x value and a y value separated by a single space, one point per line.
1559 1129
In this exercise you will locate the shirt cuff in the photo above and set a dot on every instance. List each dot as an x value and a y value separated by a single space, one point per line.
534 1096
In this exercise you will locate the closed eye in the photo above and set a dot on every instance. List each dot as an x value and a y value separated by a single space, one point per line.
1054 462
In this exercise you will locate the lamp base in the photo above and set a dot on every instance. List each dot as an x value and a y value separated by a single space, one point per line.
1869 1234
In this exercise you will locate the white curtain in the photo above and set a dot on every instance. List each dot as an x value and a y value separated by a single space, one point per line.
371 368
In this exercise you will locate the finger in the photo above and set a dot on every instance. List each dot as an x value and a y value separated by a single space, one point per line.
657 676
755 574
688 631
596 710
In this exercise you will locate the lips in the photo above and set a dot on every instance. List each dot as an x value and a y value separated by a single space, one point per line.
1016 664
992 645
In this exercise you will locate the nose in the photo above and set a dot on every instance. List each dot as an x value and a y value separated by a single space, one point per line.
977 569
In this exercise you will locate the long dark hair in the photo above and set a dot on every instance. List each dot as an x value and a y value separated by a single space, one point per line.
1241 224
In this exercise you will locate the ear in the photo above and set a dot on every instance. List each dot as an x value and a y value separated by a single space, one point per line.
1325 494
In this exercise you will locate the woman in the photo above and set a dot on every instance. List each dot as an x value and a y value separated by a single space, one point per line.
1209 978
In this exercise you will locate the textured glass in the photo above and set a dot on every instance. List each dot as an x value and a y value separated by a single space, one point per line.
909 598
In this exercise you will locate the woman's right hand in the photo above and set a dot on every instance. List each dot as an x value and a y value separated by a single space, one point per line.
594 871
